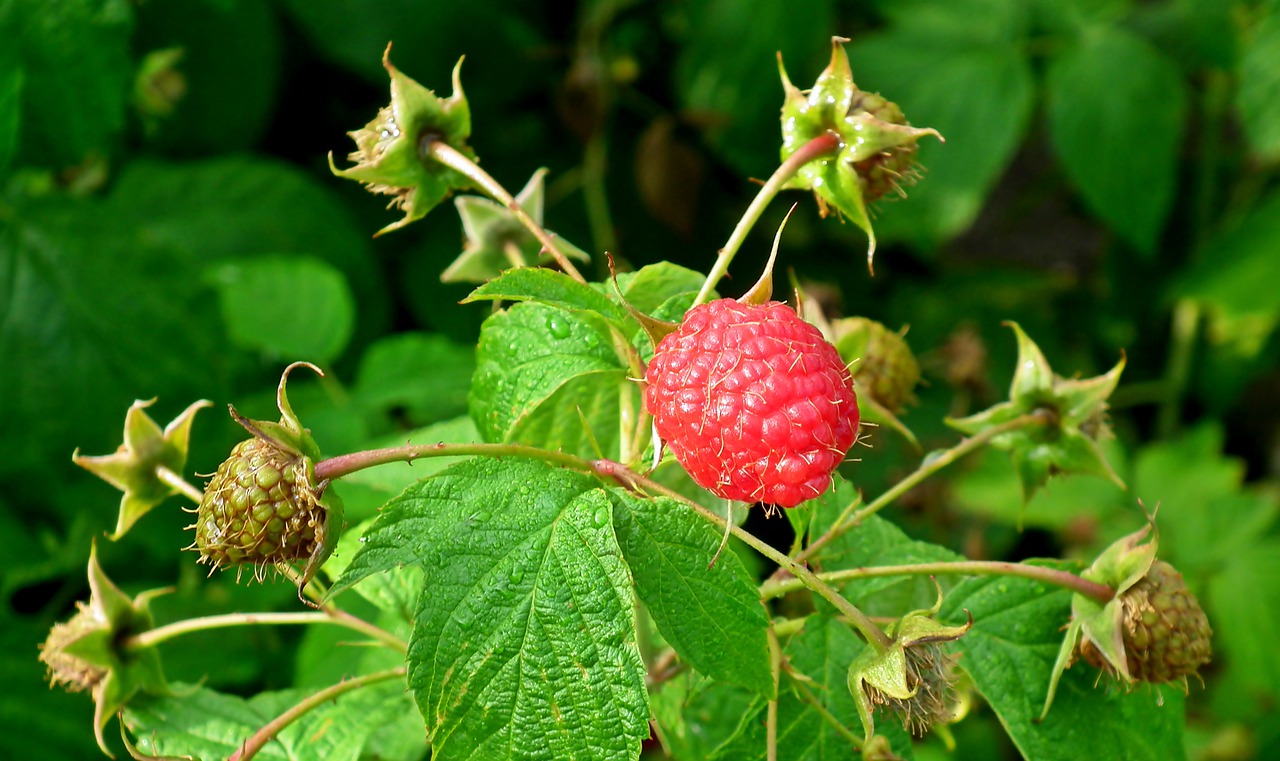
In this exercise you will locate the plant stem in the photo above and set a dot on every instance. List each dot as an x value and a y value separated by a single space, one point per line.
264 735
160 634
771 713
874 635
1100 592
1186 324
932 463
184 487
823 145
445 154
342 465
599 219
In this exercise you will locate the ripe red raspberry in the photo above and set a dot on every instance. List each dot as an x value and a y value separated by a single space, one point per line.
756 405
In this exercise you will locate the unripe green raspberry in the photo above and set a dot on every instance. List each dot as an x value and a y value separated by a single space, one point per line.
879 359
892 167
259 508
1166 633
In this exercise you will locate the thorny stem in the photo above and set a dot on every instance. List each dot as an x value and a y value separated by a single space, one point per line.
771 720
1100 592
155 636
268 732
874 635
185 487
342 465
440 151
932 464
820 146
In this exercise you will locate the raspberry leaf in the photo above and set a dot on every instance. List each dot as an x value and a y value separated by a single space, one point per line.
424 376
712 617
550 378
818 659
651 286
1010 653
932 70
695 715
875 542
202 723
551 288
286 306
1259 82
1119 143
530 632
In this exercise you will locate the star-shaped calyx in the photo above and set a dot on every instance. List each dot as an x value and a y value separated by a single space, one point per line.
91 651
389 156
147 467
876 144
497 241
1073 413
913 677
1152 629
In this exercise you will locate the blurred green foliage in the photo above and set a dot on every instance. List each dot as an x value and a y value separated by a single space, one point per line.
168 229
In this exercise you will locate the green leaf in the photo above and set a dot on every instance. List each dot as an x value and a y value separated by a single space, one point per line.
38 722
202 723
551 288
1009 653
76 68
1244 606
712 617
536 367
393 591
821 652
288 307
11 81
728 57
653 285
1235 262
1258 95
875 542
695 715
1117 110
425 375
527 634
1205 517
990 490
933 73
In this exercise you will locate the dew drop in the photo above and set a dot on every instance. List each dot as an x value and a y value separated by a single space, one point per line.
601 517
516 574
559 327
481 516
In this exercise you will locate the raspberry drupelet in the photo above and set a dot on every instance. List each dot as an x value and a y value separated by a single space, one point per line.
753 401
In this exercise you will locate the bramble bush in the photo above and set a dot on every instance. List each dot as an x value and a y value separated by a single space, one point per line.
682 489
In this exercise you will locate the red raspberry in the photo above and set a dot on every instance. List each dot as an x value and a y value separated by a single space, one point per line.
753 401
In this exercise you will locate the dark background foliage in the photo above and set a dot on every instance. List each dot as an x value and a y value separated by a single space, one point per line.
1108 181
